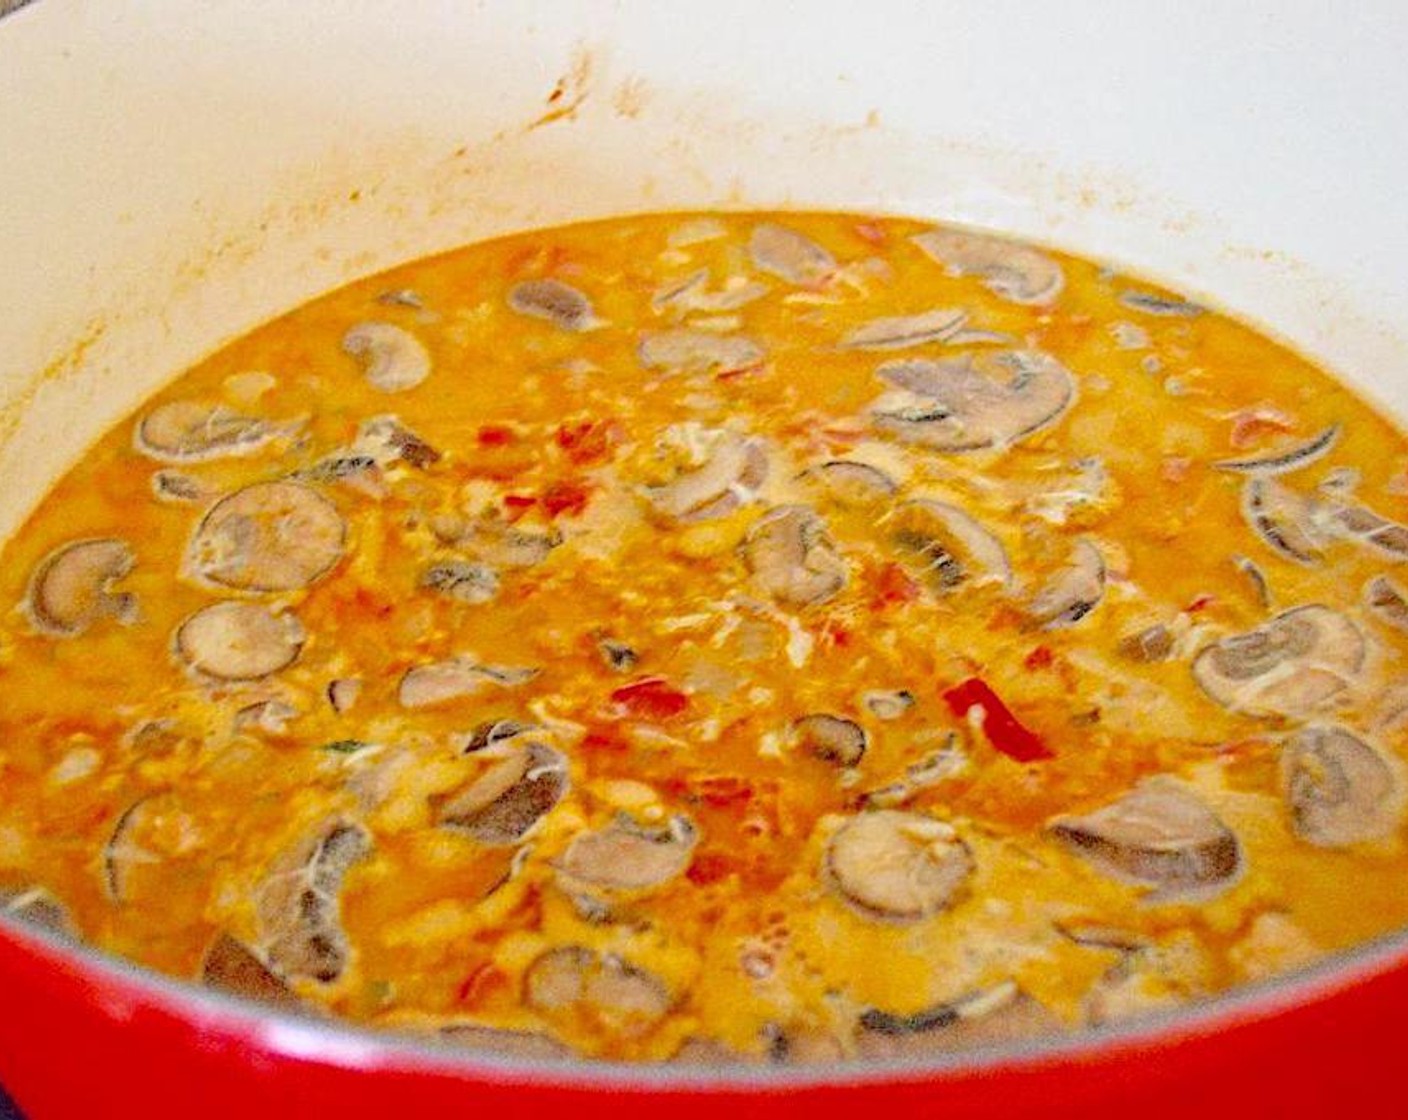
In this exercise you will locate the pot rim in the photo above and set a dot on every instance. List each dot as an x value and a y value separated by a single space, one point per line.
342 1043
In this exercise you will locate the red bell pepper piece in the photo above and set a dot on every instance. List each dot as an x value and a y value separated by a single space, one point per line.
1001 727
651 698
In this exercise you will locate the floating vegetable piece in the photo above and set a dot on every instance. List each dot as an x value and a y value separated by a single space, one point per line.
272 536
1283 519
505 802
1288 666
830 738
1073 592
343 694
39 908
950 548
732 471
176 486
239 641
192 431
392 359
974 700
559 304
792 558
1159 834
789 255
493 732
1167 306
897 865
851 485
231 966
386 440
1016 272
607 991
1153 643
1288 459
440 682
529 1045
72 588
1338 789
1366 528
888 704
973 403
298 906
651 698
903 331
469 583
122 850
626 855
1003 1013
697 351
1386 599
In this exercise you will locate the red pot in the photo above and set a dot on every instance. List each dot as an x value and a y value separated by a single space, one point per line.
175 174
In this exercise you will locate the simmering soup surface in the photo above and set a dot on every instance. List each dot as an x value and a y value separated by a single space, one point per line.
720 637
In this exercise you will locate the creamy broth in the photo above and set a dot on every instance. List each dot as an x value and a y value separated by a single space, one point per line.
720 637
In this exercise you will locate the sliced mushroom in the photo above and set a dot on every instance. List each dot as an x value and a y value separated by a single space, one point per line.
492 732
39 908
1256 577
343 694
122 850
239 641
1366 528
559 304
733 470
851 485
192 431
469 583
933 768
1073 592
1339 790
613 993
1386 599
697 351
440 682
505 802
830 738
1287 459
1283 519
1288 666
792 558
298 906
1016 272
231 966
903 331
888 703
1002 1013
358 472
72 588
1159 834
177 486
530 1045
1152 304
626 855
272 536
402 297
392 358
386 440
789 255
692 294
494 541
1153 643
270 716
973 403
897 865
950 549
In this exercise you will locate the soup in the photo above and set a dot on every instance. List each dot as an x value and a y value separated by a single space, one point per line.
720 638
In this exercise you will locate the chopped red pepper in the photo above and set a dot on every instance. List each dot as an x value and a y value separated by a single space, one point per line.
893 585
604 741
1039 658
518 504
565 497
651 698
708 867
588 441
1001 727
480 982
496 435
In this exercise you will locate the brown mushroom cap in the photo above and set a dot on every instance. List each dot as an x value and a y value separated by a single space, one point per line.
298 905
1003 1013
1073 592
555 302
1338 789
789 255
271 536
392 359
901 331
629 856
237 641
1287 666
849 484
505 802
831 738
713 488
1160 834
455 678
575 981
192 431
71 588
951 549
231 966
897 865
